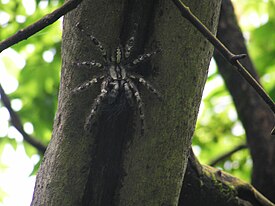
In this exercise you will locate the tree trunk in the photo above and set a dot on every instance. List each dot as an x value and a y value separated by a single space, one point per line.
255 115
114 164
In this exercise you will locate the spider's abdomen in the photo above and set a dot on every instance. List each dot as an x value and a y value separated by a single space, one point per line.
115 85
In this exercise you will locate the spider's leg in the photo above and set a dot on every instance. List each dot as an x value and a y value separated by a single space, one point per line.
139 104
91 64
129 46
96 42
130 43
96 103
88 84
146 84
144 57
128 93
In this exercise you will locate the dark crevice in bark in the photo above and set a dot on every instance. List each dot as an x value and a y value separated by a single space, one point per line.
138 21
113 134
137 13
116 124
256 117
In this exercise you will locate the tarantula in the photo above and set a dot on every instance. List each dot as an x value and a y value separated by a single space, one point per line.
118 77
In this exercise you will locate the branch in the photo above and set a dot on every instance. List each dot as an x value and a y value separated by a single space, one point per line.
39 25
228 154
215 187
232 58
16 122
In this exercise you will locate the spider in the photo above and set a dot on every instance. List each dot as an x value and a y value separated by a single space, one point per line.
118 77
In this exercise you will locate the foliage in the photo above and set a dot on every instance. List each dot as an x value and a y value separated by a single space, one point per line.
218 129
33 65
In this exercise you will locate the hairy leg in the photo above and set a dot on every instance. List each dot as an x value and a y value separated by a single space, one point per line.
88 84
96 42
146 84
139 104
96 104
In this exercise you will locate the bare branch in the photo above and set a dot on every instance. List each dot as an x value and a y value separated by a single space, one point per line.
228 154
39 25
232 58
16 122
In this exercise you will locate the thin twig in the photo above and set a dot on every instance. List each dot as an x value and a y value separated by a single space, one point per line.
16 122
39 25
228 154
229 56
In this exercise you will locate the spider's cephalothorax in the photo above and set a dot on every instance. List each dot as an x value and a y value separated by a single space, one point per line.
118 77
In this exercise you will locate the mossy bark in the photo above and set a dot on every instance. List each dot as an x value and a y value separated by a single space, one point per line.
114 164
205 185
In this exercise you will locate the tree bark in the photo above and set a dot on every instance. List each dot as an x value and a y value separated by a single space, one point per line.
212 186
254 114
114 164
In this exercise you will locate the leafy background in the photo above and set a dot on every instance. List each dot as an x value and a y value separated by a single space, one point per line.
30 73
